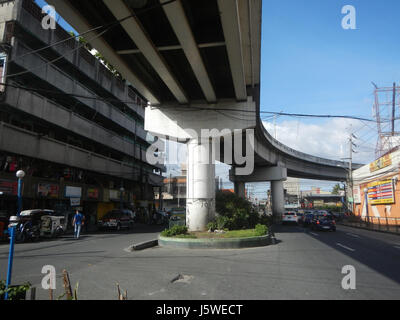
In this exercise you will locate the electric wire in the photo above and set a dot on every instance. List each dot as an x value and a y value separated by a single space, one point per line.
111 24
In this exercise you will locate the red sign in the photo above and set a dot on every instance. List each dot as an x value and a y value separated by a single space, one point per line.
93 193
48 190
9 187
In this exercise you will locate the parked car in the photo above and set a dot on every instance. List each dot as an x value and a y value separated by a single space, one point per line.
289 217
323 222
117 219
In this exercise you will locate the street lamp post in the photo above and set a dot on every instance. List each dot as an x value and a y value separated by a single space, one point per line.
20 176
366 203
122 197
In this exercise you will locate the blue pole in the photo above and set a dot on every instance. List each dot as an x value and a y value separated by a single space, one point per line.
19 197
10 259
12 240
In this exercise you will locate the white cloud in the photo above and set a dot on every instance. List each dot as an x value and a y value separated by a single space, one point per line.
327 140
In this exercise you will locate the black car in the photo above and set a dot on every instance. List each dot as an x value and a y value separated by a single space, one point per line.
323 222
117 219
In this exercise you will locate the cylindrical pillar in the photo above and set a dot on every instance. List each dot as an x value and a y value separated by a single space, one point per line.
240 189
278 200
200 189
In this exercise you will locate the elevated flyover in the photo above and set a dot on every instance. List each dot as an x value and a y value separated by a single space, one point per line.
198 65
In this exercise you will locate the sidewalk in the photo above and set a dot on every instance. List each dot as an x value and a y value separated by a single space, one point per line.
392 229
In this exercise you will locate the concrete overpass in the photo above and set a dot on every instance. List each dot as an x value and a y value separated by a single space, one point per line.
198 65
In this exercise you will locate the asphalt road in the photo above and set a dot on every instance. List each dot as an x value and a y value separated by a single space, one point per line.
302 265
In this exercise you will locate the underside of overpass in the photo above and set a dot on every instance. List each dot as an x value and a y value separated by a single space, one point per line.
198 65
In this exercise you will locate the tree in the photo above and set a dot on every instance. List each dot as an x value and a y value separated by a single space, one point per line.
336 189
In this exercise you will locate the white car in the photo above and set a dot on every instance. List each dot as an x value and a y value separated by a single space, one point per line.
290 217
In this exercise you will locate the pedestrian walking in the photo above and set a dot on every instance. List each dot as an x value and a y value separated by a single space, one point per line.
78 222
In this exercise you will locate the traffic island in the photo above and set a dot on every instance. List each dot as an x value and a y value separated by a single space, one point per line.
214 243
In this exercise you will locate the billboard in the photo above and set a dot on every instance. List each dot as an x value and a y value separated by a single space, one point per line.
381 163
9 187
48 190
357 195
93 193
381 192
73 192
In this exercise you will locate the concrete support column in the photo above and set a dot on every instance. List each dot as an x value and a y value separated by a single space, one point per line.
200 189
240 189
278 200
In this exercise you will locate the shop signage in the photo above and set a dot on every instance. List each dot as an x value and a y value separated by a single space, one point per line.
73 192
357 194
114 194
93 193
75 202
381 163
381 192
48 190
9 187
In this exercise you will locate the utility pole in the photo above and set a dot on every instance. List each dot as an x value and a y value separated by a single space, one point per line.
350 184
393 107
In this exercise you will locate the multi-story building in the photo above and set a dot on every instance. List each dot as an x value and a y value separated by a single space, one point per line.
376 190
292 192
68 121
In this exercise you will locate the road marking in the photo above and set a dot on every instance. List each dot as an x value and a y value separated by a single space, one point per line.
347 248
314 234
397 247
353 235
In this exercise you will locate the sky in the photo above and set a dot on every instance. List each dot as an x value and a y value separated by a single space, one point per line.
310 64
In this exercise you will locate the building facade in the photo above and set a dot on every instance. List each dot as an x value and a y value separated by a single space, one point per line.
69 121
376 190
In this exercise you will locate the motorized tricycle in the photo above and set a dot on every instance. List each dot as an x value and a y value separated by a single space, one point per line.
28 224
53 226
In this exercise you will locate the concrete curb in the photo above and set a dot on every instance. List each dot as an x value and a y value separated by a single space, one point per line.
234 243
144 245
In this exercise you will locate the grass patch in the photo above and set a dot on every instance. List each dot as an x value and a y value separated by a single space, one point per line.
185 236
179 232
247 233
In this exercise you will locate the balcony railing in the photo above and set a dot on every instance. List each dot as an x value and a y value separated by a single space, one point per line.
27 143
60 34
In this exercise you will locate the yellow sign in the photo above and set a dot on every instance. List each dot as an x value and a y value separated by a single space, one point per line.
383 162
381 192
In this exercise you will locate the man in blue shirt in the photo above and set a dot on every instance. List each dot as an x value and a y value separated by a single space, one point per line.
77 222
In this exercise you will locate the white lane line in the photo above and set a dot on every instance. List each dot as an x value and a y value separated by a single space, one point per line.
397 247
347 248
353 235
314 234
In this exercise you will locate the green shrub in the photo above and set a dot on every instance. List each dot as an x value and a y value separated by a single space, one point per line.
266 220
175 231
14 292
261 230
222 222
212 226
238 213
